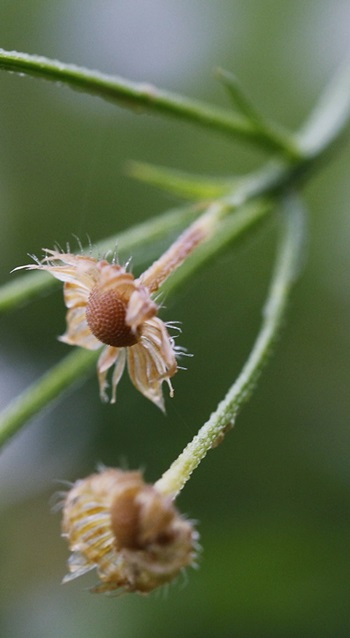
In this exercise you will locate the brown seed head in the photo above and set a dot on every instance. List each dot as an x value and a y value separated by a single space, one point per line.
105 315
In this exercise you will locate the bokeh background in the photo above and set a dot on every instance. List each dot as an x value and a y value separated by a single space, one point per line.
273 501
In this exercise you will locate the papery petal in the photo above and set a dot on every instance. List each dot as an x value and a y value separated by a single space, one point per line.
86 263
75 269
69 274
154 332
117 373
140 308
109 357
152 361
78 332
143 374
128 530
75 294
88 526
115 277
78 565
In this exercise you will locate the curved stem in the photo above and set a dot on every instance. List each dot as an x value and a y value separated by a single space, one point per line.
130 94
223 418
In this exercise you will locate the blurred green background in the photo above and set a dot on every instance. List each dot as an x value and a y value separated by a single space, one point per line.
273 501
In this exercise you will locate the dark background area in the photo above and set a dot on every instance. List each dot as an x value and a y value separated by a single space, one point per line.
272 502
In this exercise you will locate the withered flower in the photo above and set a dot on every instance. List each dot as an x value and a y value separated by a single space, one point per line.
131 533
108 306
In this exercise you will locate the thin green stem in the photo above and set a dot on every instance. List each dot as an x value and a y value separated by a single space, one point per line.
132 94
42 392
286 268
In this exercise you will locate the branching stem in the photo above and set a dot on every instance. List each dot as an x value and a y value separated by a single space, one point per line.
248 202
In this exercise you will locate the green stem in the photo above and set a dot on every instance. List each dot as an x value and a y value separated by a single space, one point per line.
44 391
287 264
131 94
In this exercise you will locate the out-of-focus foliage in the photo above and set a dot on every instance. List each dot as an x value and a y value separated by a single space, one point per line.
273 500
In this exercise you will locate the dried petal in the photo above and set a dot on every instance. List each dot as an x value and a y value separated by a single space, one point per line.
108 307
131 533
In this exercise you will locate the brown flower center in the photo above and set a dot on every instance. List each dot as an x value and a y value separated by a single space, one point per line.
105 314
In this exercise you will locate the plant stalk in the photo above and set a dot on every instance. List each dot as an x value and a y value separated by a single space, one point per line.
211 433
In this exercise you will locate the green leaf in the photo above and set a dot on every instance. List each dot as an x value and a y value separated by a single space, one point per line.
238 96
179 182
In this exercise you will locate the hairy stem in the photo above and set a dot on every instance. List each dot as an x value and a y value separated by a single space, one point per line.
223 418
196 234
132 94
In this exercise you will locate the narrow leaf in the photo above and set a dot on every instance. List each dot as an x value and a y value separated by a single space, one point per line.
179 182
239 98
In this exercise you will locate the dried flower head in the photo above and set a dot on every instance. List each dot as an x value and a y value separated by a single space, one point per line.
108 306
130 532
